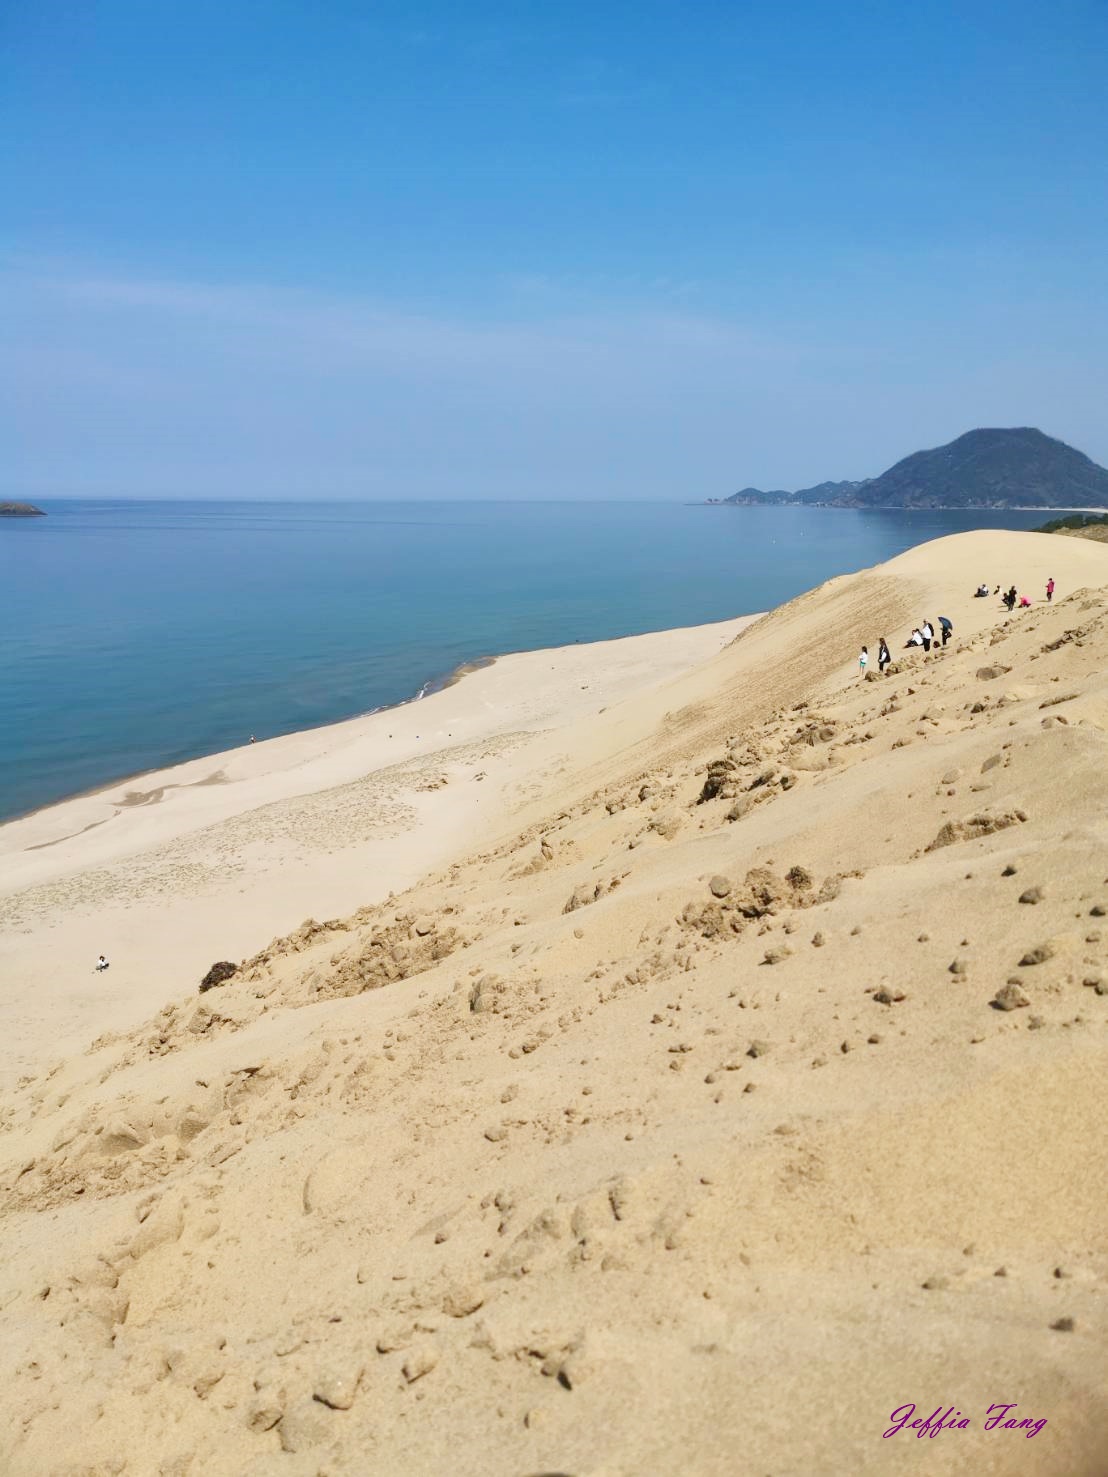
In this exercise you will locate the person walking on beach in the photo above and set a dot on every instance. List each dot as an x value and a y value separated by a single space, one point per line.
863 660
1050 589
1010 598
883 657
946 625
101 964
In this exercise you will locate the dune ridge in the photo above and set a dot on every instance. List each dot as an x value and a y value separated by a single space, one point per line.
740 1084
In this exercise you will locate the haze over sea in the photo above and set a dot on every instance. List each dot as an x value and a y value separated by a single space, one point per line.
140 634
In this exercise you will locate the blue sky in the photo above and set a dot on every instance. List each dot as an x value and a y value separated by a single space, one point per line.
532 250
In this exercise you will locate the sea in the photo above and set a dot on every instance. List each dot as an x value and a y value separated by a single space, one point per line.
137 634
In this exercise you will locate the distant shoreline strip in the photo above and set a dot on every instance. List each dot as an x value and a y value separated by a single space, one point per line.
433 685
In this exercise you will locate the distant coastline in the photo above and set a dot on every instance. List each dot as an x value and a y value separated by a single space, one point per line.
734 502
997 470
20 510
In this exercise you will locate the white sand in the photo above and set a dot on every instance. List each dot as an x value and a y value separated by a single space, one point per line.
664 1124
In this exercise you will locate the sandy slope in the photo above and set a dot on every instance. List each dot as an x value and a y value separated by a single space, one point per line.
224 851
672 1130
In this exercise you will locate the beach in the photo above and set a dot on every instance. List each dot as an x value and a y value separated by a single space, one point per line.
227 850
314 613
672 1054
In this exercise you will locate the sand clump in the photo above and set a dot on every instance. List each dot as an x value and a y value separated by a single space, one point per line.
639 1135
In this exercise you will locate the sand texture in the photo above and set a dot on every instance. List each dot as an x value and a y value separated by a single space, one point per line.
732 1076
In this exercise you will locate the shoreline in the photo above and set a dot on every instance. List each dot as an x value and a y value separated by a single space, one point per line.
165 871
429 688
433 685
899 508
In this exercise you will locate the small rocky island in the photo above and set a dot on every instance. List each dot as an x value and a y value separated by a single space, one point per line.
20 510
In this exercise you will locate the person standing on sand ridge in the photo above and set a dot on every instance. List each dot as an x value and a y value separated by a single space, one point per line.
1050 589
883 657
863 660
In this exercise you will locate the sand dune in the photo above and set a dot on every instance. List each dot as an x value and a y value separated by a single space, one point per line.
731 1082
213 854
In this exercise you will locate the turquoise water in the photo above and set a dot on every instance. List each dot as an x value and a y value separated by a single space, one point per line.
139 634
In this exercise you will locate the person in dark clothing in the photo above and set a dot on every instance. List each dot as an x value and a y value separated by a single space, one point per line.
1010 598
883 657
946 625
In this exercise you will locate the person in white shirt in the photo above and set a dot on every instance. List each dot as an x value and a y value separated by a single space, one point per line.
863 660
101 964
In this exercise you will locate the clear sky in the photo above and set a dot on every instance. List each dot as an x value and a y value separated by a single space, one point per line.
621 248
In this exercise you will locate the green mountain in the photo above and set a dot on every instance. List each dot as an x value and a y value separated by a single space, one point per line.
1017 467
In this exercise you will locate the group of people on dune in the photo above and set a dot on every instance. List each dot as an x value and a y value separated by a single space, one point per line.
1011 597
927 634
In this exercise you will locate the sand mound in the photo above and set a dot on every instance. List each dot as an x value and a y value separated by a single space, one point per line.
745 1091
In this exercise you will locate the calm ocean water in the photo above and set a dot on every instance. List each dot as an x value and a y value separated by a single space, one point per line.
139 634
